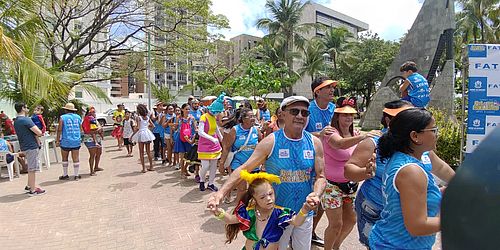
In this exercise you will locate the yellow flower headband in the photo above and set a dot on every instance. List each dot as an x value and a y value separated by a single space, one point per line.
248 177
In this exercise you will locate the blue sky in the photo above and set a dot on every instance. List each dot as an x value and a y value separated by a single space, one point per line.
389 18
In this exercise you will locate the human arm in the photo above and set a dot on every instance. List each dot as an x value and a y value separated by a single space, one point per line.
338 142
440 168
227 143
362 162
228 218
404 86
319 168
411 182
301 216
59 132
201 133
258 157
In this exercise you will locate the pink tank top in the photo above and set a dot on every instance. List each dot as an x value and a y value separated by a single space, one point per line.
335 160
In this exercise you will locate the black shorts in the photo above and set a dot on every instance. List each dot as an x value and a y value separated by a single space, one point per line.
70 149
127 141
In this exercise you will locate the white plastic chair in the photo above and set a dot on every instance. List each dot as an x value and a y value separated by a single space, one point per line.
10 166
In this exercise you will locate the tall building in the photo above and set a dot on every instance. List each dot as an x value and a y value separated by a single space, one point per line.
319 14
240 44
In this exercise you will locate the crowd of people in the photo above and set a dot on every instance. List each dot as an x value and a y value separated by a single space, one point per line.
286 169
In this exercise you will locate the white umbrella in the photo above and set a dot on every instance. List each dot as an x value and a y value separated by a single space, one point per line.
209 98
239 98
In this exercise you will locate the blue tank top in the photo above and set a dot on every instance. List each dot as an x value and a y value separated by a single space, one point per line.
293 161
390 232
242 156
372 188
196 114
158 129
319 118
71 136
166 130
418 91
265 115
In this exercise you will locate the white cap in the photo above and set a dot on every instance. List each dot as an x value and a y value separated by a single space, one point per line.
293 99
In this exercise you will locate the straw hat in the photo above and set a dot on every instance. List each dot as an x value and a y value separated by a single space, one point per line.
346 110
70 106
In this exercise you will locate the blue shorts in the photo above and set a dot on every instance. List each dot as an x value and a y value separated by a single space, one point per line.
367 214
91 144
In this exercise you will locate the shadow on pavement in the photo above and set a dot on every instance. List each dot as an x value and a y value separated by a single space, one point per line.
13 198
213 226
120 157
195 196
135 173
121 186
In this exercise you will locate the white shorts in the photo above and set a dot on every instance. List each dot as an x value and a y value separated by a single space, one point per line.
300 236
166 136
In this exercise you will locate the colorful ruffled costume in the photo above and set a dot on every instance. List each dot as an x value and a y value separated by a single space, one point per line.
278 220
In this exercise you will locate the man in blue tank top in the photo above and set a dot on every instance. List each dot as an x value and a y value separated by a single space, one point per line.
415 88
69 139
296 157
321 112
369 201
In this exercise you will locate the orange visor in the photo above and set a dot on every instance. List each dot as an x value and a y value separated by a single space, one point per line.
325 83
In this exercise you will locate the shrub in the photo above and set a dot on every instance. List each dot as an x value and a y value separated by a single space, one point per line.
448 143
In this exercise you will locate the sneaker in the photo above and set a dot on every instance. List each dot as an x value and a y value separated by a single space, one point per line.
156 159
202 186
197 178
212 187
177 167
27 188
77 177
37 191
64 177
317 241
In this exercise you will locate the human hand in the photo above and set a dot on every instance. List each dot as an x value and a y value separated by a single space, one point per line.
58 143
306 207
371 166
373 133
214 200
326 131
312 200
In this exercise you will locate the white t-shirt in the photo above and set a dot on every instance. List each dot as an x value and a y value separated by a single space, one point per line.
127 128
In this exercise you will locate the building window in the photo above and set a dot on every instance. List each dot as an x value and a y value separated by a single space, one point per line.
182 77
78 94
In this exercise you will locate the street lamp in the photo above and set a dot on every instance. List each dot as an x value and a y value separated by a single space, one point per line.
325 58
148 71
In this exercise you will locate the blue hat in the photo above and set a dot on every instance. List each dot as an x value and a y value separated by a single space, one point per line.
217 105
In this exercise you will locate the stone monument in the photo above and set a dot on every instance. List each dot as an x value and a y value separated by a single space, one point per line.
430 37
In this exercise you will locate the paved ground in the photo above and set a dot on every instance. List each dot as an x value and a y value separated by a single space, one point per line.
120 208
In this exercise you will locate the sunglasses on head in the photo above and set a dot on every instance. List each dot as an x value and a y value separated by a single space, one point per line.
295 112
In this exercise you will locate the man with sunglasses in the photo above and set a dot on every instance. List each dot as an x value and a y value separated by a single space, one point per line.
297 157
321 112
369 200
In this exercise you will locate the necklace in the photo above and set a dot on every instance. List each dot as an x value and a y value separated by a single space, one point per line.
257 212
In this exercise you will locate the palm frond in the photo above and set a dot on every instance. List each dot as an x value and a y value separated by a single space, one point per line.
95 92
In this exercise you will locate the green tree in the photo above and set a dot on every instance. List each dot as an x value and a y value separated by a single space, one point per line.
476 20
365 65
313 61
25 77
285 29
336 41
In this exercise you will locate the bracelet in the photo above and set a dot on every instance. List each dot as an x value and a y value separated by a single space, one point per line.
221 215
302 213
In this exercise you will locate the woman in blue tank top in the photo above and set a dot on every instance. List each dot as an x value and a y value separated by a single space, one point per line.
241 140
409 219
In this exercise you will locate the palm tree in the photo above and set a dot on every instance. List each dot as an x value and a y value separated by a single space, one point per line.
285 28
476 19
313 58
336 41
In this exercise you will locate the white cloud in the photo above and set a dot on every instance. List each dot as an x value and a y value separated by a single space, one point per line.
389 18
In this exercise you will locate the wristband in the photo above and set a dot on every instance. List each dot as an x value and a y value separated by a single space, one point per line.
221 215
302 213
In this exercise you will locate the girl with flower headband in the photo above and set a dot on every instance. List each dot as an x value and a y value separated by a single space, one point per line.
261 221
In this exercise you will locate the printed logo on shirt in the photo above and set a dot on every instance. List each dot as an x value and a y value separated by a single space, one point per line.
254 136
242 137
308 154
319 125
284 153
426 159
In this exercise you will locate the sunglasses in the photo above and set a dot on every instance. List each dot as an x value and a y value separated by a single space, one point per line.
295 112
434 130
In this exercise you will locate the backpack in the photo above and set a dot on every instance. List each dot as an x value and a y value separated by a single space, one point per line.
185 130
